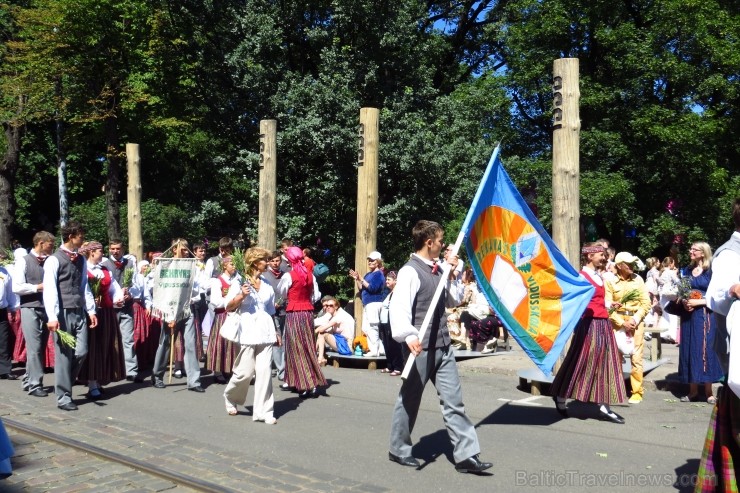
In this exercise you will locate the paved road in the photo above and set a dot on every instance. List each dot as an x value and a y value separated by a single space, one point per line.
339 442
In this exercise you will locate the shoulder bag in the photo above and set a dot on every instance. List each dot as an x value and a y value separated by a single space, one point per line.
231 329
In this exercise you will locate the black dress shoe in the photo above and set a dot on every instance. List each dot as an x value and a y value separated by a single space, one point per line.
404 461
563 411
8 376
197 388
611 417
38 392
70 406
472 465
158 384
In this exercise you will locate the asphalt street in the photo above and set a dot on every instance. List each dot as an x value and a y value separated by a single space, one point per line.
341 438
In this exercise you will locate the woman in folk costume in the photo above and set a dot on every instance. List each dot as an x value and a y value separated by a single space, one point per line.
146 330
105 362
302 369
221 353
256 301
592 369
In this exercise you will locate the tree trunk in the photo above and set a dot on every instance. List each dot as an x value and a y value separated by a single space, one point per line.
8 167
113 182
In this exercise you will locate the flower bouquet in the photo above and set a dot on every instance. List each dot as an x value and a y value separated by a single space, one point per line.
631 295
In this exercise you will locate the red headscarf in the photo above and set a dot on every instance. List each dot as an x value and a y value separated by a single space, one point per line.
295 257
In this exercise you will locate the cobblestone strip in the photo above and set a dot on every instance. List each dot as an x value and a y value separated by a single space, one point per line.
171 453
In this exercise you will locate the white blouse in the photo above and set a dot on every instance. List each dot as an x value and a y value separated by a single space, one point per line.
257 309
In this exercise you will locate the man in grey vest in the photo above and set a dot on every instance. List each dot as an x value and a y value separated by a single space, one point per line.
412 298
67 297
718 466
28 284
117 265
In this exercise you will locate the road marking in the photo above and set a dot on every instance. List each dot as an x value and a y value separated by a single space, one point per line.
527 401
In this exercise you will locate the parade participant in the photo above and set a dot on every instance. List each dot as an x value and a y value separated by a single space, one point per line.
225 249
629 315
8 309
28 285
592 369
105 362
721 455
371 289
335 328
117 264
186 328
302 370
146 330
697 361
256 301
393 350
221 353
435 360
273 274
67 296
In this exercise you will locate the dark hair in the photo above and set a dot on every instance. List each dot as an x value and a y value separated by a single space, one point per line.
72 228
736 213
423 231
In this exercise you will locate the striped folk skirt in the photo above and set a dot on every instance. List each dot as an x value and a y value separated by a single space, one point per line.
104 362
717 469
592 369
19 346
302 369
220 354
146 336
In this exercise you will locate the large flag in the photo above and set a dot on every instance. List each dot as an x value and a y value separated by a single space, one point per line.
535 292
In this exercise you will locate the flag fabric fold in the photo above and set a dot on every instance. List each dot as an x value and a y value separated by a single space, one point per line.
535 292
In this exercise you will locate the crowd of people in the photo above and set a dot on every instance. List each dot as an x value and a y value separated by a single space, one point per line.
91 317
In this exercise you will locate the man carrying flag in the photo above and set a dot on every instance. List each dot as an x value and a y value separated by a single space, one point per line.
434 359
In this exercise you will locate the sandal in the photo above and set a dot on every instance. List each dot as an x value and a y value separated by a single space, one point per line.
385 370
231 409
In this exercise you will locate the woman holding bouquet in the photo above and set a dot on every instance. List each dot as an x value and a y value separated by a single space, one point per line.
256 300
221 353
697 361
105 362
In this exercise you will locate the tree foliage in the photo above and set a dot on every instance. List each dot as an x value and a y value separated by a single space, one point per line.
189 81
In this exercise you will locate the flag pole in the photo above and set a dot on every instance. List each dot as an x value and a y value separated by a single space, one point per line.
446 267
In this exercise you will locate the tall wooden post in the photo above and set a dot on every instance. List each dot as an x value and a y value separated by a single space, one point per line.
133 164
267 228
367 197
565 164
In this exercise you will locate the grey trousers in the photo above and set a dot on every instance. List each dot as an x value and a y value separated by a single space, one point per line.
161 360
67 361
125 317
33 324
278 352
437 365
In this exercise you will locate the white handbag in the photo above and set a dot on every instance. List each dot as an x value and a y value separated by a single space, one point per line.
625 342
231 329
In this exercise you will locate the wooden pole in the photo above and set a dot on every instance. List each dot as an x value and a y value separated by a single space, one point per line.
367 197
133 164
565 164
267 229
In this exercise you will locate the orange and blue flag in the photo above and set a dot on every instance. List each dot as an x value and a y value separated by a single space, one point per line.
535 292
